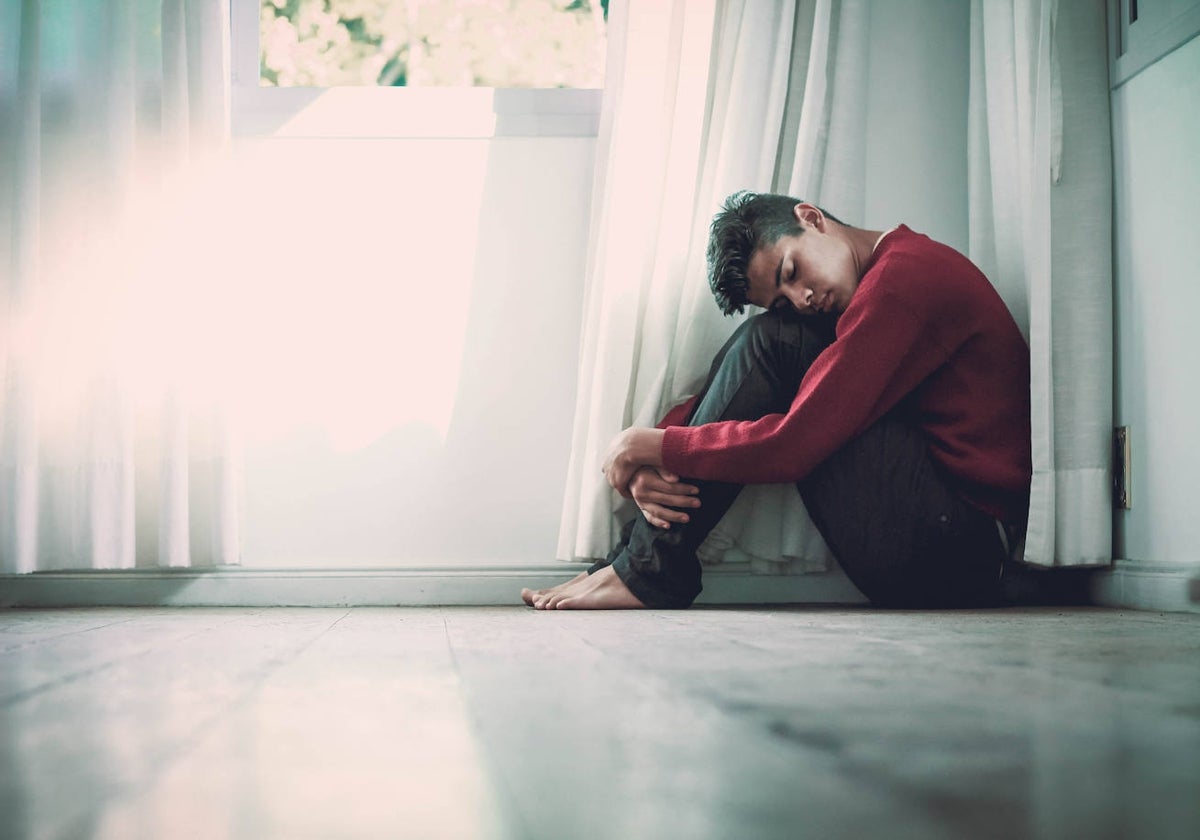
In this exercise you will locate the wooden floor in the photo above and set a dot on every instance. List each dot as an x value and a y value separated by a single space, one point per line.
506 723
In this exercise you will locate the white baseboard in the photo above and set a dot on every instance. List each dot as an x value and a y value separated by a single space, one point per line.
1146 586
425 586
1128 584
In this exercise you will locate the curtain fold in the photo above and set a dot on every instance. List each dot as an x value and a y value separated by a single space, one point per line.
1040 212
716 108
110 456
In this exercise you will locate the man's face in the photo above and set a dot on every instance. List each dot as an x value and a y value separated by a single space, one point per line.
811 272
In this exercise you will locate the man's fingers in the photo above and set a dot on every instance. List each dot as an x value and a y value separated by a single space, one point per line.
659 523
652 482
672 500
655 521
659 495
662 517
644 497
674 487
676 491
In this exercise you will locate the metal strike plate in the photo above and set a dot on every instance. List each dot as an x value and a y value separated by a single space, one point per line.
1122 485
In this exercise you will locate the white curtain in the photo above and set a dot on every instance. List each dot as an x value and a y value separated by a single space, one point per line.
1040 227
703 98
113 451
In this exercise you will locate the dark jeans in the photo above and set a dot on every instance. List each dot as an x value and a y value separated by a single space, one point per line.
889 514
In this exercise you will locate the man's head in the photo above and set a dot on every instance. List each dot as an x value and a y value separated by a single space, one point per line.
773 250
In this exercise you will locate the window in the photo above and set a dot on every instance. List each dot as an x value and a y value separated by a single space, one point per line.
417 68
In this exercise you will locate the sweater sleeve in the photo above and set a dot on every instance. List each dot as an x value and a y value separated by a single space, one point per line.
883 350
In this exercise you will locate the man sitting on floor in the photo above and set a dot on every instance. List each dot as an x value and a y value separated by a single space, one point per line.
905 427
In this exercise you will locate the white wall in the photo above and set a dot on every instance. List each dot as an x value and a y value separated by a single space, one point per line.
1156 123
420 304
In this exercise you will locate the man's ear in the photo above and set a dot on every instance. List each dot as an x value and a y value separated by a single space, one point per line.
810 215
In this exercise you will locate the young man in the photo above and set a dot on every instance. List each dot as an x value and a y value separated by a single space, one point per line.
905 427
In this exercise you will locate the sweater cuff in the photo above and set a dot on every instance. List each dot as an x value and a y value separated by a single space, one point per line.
675 449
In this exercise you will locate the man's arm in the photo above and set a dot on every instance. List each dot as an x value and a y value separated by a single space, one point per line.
885 348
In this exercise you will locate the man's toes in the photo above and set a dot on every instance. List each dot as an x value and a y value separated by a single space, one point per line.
554 602
532 596
547 597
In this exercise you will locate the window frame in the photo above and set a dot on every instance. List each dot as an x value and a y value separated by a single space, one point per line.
1161 27
394 112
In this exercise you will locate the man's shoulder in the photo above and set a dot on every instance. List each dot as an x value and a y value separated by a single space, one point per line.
905 248
913 263
930 279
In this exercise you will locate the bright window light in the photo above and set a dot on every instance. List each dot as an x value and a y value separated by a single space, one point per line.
432 43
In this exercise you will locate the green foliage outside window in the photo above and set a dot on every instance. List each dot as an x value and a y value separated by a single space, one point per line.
427 43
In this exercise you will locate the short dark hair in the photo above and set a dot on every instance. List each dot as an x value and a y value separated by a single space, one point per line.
746 222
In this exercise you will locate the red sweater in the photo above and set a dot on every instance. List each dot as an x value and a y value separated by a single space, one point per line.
925 334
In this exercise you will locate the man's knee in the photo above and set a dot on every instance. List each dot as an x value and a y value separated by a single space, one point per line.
784 335
780 344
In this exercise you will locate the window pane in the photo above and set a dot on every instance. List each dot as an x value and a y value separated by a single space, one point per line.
432 43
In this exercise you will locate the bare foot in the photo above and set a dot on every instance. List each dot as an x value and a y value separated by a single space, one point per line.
531 595
600 591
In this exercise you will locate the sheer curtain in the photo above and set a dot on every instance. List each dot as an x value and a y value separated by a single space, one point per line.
114 452
1040 214
703 98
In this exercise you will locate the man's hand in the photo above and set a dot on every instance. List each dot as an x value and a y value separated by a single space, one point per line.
657 492
629 452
